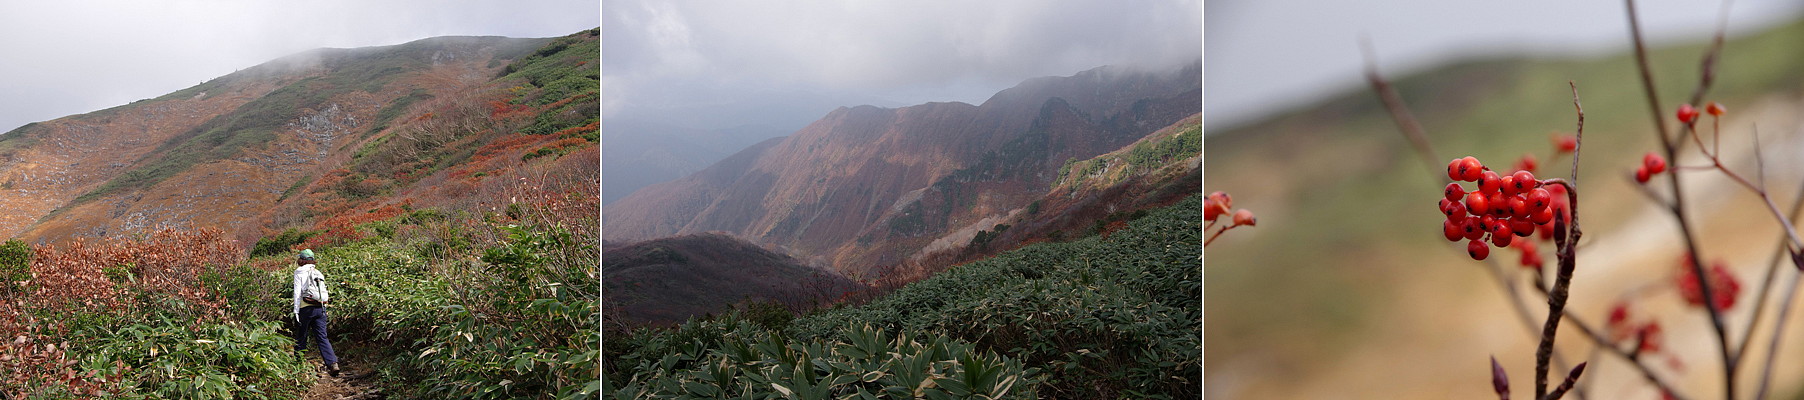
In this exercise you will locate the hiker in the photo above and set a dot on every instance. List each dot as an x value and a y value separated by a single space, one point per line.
310 299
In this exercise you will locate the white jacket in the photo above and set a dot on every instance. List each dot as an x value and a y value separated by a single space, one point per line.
308 281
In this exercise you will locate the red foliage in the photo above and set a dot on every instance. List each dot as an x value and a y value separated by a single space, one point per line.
83 277
343 228
499 110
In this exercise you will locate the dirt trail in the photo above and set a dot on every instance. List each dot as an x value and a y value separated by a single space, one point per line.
353 383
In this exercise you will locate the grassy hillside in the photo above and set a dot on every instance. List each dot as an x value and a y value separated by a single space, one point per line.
1347 227
1112 317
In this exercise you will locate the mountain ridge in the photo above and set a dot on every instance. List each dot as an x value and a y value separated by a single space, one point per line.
833 187
232 151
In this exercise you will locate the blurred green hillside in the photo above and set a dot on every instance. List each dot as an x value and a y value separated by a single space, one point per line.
1348 232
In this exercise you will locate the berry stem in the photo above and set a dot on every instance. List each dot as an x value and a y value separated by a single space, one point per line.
1218 234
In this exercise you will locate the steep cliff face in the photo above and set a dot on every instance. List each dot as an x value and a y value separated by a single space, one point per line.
865 186
247 151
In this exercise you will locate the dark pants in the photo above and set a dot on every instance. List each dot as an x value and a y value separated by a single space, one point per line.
313 324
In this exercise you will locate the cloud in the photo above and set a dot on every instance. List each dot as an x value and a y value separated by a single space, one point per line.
665 56
71 57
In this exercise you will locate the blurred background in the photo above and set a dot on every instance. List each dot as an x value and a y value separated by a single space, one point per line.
1347 289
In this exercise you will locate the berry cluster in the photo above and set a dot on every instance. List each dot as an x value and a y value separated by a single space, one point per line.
1499 209
1723 286
1620 328
1219 203
1651 164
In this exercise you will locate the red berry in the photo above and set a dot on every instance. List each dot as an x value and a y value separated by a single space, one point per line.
1453 169
1537 199
1522 228
1687 114
1715 109
1641 174
1501 237
1223 199
1525 246
1619 314
1500 206
1455 191
1518 207
1527 163
1507 185
1531 259
1477 203
1489 182
1565 143
1245 217
1455 210
1453 230
1654 162
1542 216
1210 211
1524 181
1544 231
1470 169
1650 341
1474 228
1477 249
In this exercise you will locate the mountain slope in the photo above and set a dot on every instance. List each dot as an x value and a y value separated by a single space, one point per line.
673 279
301 139
867 186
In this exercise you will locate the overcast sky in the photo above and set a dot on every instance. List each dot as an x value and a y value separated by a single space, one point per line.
71 57
722 64
1264 55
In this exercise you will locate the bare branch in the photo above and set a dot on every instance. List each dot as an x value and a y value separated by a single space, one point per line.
1406 122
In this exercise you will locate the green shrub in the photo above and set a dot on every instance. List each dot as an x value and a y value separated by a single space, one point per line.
751 363
167 358
15 263
281 243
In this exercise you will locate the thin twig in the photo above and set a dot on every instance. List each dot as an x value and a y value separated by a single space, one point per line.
1633 355
1758 188
1406 122
1678 201
1565 235
1218 234
1772 271
1772 346
1564 241
1571 379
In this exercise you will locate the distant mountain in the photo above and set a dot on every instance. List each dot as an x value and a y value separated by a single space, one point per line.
867 186
637 155
297 142
672 279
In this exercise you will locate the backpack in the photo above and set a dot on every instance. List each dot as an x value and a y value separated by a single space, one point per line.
307 293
